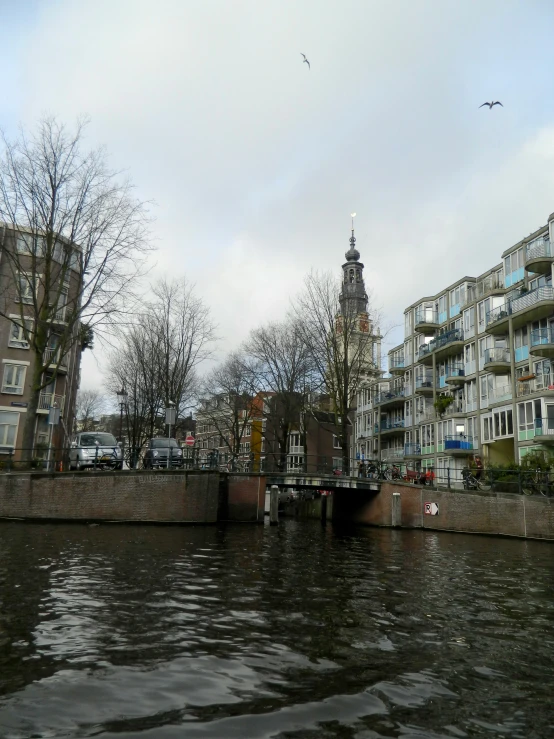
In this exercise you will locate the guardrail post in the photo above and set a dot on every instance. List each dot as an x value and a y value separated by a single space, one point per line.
448 478
96 456
10 460
274 505
519 485
396 510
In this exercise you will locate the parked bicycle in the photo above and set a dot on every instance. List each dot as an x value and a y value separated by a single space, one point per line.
537 481
473 483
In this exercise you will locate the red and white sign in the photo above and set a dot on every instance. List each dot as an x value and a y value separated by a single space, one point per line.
431 509
189 441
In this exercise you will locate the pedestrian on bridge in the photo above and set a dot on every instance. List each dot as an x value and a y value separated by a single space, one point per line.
361 469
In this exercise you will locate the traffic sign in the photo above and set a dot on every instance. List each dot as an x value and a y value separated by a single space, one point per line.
189 441
431 509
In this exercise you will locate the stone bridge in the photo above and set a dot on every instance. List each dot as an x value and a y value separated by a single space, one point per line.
318 481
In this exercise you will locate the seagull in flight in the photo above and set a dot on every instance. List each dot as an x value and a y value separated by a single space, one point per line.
495 102
305 60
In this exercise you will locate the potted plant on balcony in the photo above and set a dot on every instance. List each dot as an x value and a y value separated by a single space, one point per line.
442 403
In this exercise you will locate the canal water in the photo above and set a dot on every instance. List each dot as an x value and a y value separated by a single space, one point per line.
294 631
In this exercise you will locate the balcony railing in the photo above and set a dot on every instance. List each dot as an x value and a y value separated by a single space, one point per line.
455 334
459 442
388 425
48 400
527 300
412 449
496 355
486 285
454 409
544 426
396 363
536 385
426 315
424 350
542 336
538 248
392 454
504 392
389 395
424 382
456 370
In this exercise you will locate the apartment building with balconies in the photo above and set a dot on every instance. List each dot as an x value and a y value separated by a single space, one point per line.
39 288
473 374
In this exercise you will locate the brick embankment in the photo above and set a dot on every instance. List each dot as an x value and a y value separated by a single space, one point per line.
503 514
160 497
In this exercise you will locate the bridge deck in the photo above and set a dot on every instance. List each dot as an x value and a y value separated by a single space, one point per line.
320 481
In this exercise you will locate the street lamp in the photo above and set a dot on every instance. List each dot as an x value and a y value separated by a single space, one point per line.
122 395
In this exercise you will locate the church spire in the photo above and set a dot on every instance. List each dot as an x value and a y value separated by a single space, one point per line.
353 298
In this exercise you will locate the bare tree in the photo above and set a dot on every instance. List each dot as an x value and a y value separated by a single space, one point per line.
280 362
158 356
226 405
179 325
73 245
90 404
341 343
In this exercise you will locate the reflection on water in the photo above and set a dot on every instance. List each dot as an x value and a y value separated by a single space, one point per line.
295 631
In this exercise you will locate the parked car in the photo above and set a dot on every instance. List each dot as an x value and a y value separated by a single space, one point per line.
161 453
94 449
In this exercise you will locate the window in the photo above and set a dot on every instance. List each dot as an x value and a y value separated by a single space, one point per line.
14 379
17 338
408 323
295 440
248 430
336 441
526 414
29 244
8 429
469 322
337 463
503 423
487 428
26 288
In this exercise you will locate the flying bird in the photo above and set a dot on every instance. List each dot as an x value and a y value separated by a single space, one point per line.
305 60
495 102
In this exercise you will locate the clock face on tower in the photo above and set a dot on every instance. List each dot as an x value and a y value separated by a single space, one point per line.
364 325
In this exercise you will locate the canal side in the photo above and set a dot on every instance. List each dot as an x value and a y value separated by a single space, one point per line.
492 513
179 497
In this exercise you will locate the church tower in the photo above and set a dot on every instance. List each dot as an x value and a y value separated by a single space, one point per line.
353 306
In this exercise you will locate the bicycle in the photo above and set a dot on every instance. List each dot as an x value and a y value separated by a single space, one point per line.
537 481
473 483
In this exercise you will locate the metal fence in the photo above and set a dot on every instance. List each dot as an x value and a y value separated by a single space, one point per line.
507 480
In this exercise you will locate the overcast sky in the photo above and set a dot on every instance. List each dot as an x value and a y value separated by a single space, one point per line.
255 162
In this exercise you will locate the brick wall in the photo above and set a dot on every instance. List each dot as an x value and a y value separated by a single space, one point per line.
128 496
483 513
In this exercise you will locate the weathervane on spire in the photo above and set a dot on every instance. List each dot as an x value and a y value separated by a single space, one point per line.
353 215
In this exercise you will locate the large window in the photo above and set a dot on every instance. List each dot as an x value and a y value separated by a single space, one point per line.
8 429
17 338
14 379
503 425
526 414
513 267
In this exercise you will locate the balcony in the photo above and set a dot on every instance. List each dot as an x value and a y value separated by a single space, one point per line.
424 354
424 385
48 400
538 257
500 394
530 306
456 374
455 410
426 319
497 361
412 450
426 416
51 356
396 365
459 445
542 342
448 344
490 285
392 398
392 455
544 430
390 428
540 385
